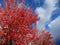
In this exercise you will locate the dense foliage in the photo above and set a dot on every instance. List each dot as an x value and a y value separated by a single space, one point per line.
16 26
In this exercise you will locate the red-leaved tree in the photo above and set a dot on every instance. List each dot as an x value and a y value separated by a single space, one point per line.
16 26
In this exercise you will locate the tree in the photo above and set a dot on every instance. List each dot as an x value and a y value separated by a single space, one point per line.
16 26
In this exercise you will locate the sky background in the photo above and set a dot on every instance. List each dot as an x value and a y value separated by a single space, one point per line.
49 13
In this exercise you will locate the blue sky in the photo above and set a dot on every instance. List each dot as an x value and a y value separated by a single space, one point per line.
49 13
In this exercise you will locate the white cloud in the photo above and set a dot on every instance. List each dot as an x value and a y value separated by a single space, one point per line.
0 4
55 22
45 13
55 27
41 13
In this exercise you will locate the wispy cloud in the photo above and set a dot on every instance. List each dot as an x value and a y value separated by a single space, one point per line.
55 27
45 13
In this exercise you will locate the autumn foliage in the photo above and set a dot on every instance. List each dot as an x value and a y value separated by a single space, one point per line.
16 26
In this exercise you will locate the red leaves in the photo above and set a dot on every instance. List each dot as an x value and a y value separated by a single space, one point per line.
15 25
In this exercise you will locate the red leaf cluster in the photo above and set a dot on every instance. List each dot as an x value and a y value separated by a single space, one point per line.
16 26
